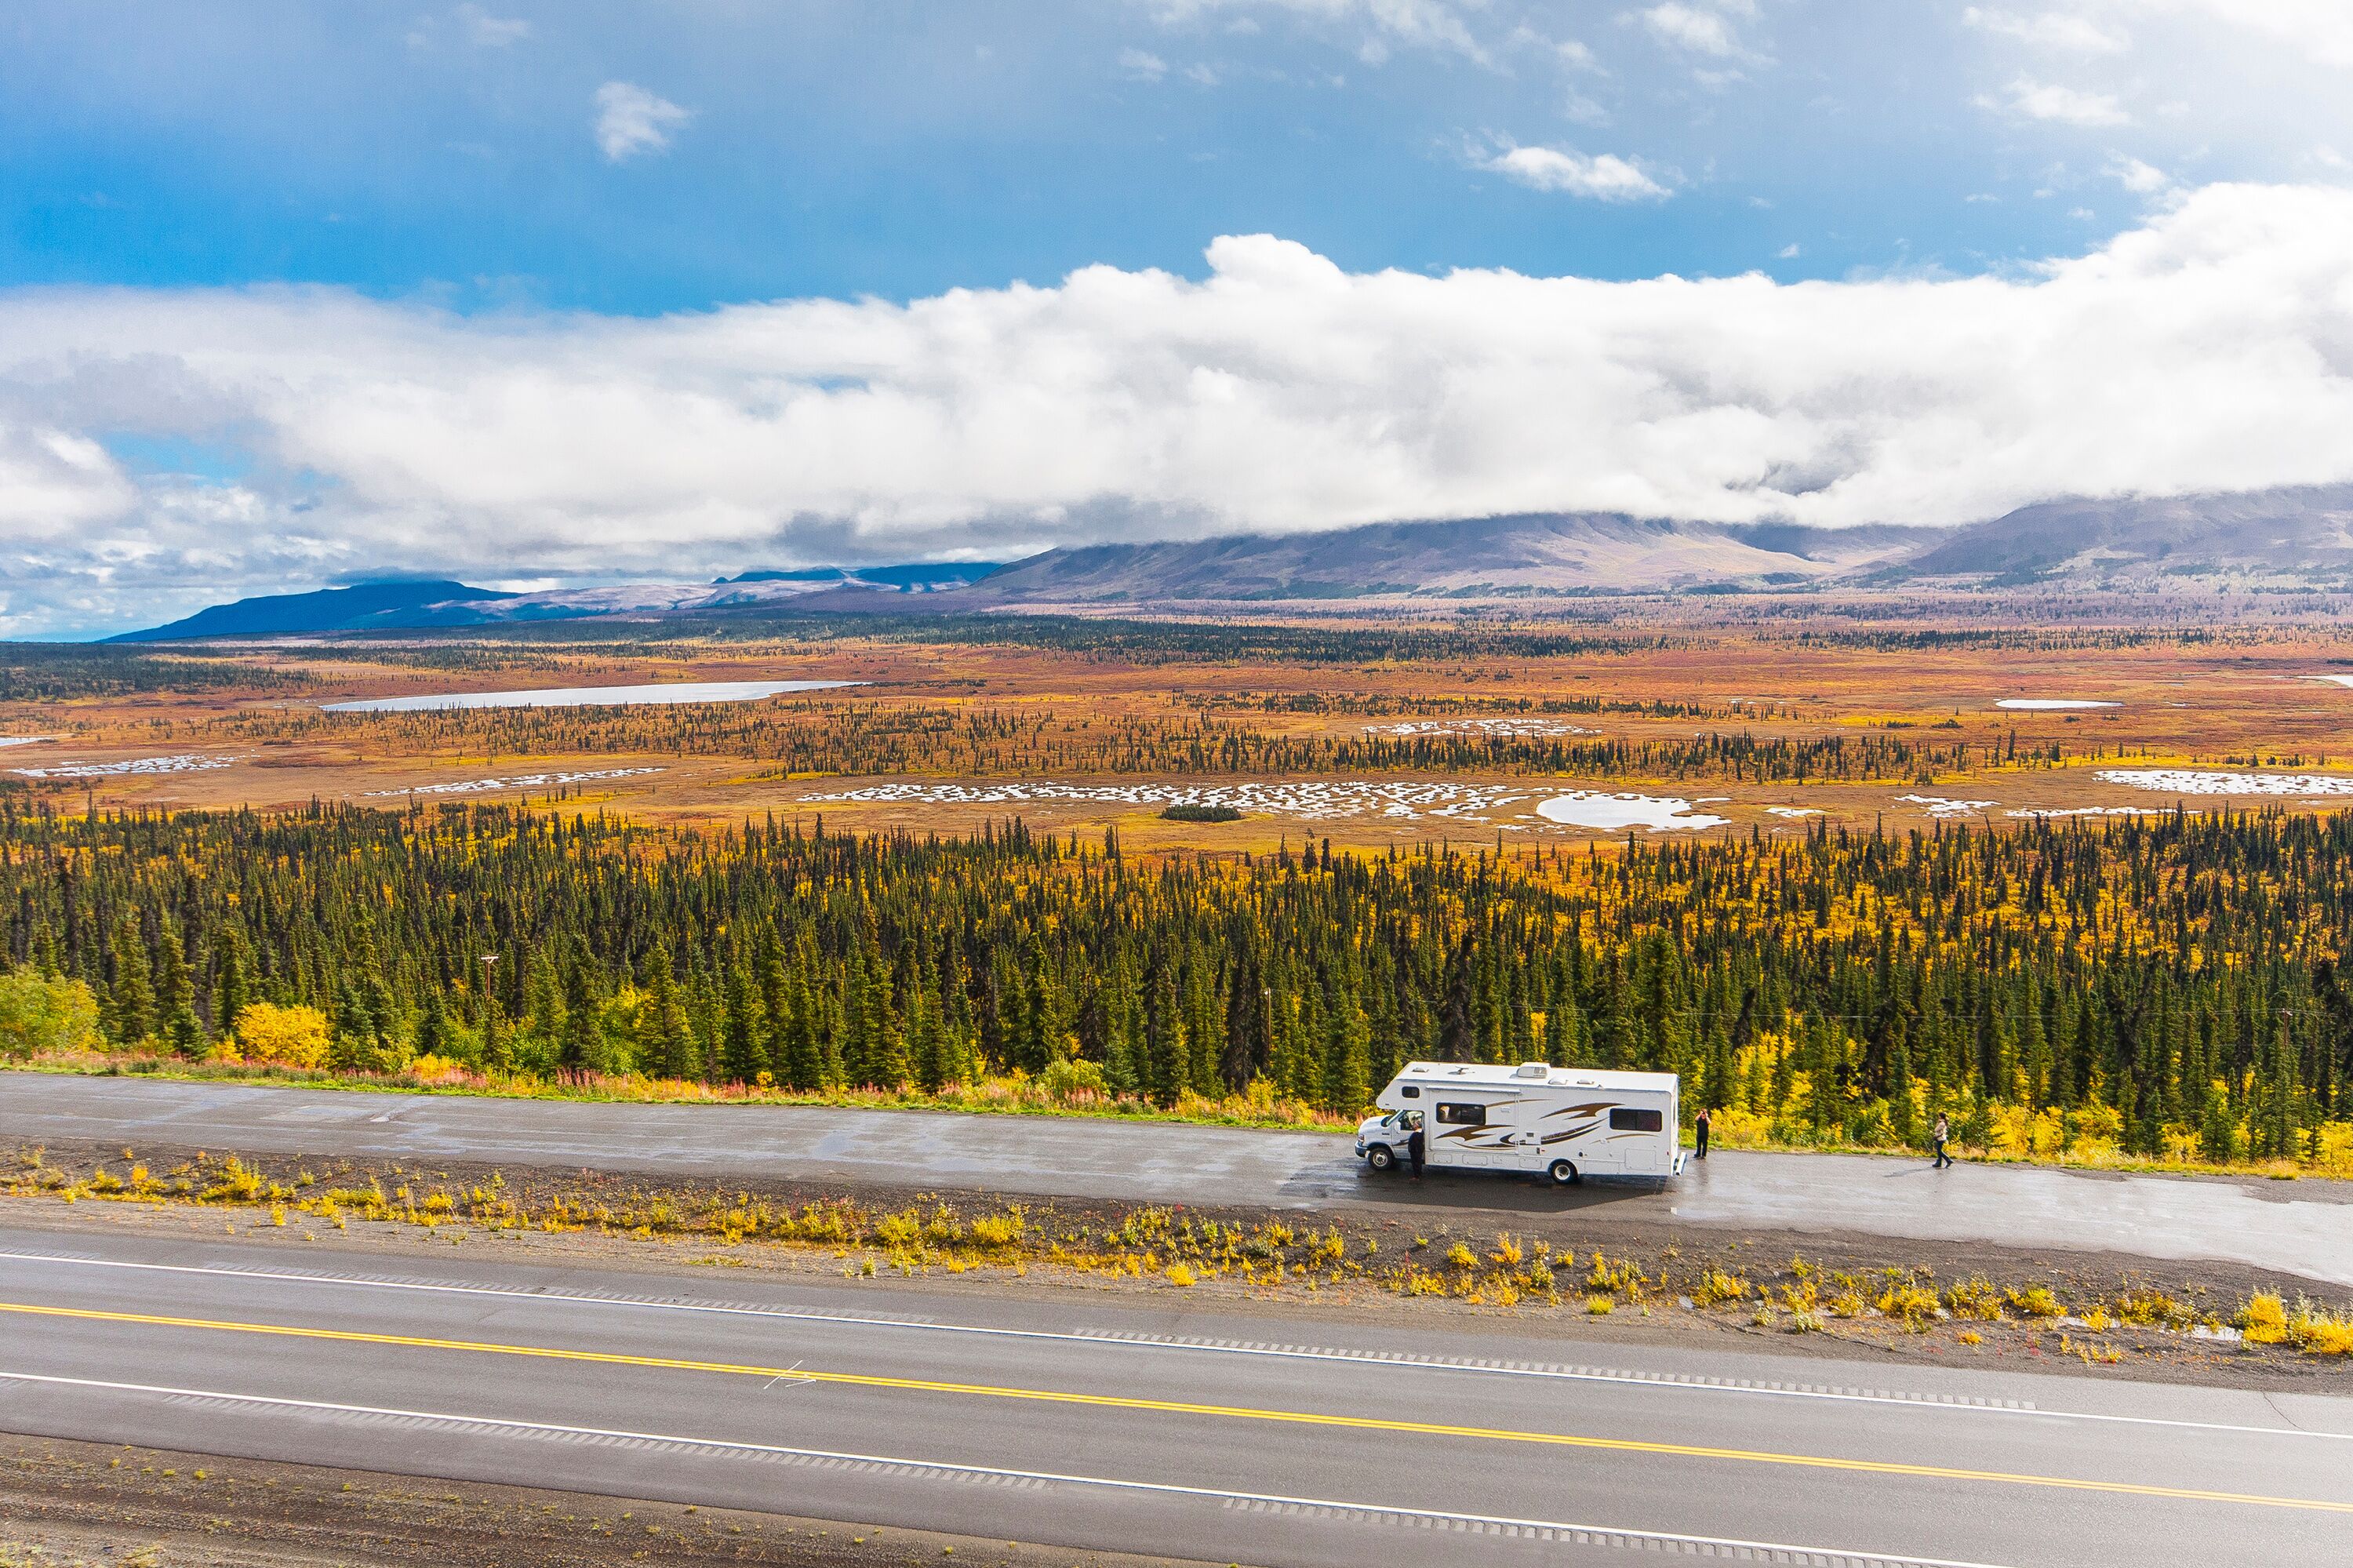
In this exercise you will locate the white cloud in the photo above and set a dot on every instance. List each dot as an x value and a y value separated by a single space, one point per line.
1789 252
2210 348
2135 176
55 483
1437 25
1143 66
2050 30
1602 176
2317 29
2031 100
630 119
488 32
1703 28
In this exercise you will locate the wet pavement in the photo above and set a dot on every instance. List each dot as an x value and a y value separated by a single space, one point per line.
2303 1227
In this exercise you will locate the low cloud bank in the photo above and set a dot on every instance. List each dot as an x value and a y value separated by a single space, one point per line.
2209 349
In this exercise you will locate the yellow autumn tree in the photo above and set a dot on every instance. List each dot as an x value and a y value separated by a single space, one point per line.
296 1036
42 1014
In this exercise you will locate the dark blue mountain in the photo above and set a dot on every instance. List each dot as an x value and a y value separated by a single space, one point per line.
329 609
920 577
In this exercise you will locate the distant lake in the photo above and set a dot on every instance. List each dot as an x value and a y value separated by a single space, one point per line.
590 696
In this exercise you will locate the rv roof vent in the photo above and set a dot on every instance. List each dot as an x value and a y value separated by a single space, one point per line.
1533 1070
1588 1083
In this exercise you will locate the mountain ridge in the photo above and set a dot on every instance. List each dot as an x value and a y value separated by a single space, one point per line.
322 609
2300 536
1519 554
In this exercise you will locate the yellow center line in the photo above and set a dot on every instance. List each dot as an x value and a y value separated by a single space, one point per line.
1180 1407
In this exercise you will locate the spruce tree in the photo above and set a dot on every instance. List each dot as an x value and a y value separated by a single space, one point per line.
176 996
741 1060
665 1038
130 1000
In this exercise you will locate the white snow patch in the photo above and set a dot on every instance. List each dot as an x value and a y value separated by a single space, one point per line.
1407 800
587 696
188 763
1792 812
1589 809
2191 781
24 739
1511 727
2082 812
1941 806
2052 704
514 782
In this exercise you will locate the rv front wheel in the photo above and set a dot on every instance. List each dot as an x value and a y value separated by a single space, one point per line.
1562 1173
1380 1157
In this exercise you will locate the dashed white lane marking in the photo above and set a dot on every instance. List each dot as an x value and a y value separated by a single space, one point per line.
1320 1509
1476 1365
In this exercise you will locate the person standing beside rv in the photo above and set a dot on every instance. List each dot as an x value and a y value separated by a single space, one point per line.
1415 1150
1943 1132
1699 1131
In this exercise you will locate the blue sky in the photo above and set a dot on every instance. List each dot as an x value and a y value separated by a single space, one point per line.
901 149
196 203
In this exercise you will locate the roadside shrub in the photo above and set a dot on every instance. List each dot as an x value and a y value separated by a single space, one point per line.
2320 1332
998 1230
39 1016
2147 1308
1910 1303
1074 1078
1716 1286
2263 1320
1622 1277
294 1036
1975 1298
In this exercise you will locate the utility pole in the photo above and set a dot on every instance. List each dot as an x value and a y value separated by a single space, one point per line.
493 1053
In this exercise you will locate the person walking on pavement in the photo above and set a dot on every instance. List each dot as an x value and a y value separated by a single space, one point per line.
1943 1134
1413 1144
1699 1131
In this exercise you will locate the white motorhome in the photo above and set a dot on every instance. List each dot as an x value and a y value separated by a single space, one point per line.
1567 1123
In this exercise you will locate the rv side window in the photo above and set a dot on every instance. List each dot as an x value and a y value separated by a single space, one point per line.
1624 1120
1462 1116
1410 1092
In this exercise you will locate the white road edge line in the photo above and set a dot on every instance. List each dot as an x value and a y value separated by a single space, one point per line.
1368 1358
1163 1488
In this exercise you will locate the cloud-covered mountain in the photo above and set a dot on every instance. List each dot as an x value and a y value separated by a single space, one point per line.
1279 392
2302 534
2288 537
1492 558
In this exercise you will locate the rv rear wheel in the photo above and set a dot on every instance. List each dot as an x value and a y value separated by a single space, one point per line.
1380 1157
1562 1173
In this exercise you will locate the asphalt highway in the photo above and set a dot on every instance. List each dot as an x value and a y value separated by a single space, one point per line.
1187 1432
2300 1228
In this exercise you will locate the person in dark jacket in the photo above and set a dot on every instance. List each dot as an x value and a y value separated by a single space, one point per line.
1414 1147
1700 1131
